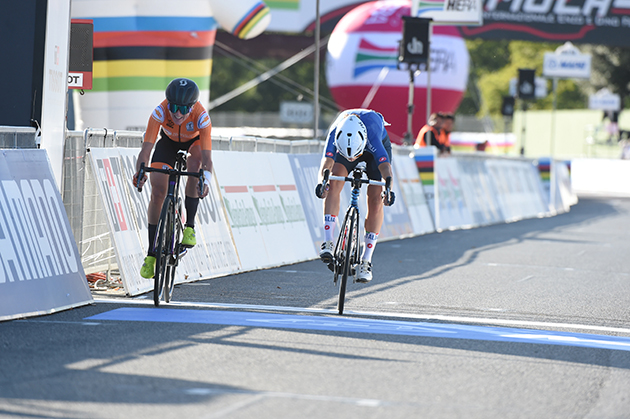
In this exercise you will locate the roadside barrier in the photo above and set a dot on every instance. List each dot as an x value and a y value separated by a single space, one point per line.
555 176
262 211
606 177
40 268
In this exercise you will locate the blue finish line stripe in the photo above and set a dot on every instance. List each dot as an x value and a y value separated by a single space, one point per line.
352 325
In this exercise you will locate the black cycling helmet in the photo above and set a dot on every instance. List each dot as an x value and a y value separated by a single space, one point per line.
182 92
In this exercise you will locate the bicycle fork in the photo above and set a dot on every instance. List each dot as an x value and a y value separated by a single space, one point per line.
178 249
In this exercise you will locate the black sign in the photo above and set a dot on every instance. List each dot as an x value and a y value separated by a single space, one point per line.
81 54
507 108
81 45
526 88
587 21
414 48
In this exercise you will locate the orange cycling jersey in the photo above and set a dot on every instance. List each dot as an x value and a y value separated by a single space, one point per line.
196 123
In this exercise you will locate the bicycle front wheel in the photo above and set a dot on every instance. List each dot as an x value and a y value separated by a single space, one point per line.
176 238
163 250
169 283
350 234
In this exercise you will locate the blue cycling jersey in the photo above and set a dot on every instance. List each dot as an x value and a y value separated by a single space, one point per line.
375 125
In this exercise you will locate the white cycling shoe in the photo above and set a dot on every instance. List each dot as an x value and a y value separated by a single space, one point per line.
364 274
326 252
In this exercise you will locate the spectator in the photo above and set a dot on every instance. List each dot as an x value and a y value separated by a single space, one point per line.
433 129
447 127
481 146
613 125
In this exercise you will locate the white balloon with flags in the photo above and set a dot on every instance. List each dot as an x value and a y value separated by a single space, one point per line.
362 66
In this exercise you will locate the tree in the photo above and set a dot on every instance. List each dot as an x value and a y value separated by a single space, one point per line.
611 68
494 63
294 83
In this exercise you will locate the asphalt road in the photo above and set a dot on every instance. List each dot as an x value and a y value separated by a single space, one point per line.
523 320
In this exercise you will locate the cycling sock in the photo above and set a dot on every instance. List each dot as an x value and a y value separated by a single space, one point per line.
152 230
370 242
191 210
329 227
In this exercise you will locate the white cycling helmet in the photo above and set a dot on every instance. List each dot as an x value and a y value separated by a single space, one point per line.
351 137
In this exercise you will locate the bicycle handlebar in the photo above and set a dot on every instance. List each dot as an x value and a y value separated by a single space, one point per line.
351 179
146 169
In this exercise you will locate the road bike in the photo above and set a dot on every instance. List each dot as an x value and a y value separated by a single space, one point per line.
168 235
346 255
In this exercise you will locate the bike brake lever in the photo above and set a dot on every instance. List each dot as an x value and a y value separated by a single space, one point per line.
140 176
201 183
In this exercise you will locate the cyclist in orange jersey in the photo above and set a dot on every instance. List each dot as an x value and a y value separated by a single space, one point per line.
180 122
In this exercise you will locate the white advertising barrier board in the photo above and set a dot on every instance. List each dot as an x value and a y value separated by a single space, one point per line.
305 172
518 187
295 223
396 220
40 267
126 210
254 187
412 195
479 192
556 183
604 177
563 196
452 207
122 217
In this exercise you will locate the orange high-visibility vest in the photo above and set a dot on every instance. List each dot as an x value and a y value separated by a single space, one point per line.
422 134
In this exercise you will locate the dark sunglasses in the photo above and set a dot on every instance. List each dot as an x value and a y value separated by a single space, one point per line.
184 109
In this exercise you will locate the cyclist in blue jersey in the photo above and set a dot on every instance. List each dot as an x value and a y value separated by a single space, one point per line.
357 135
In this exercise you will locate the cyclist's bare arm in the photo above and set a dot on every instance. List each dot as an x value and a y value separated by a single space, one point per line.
206 166
321 189
385 169
143 157
326 164
386 172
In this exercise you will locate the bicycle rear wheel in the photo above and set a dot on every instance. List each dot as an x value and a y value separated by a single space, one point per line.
163 250
349 232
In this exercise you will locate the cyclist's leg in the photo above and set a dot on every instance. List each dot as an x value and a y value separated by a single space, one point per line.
194 164
163 155
331 210
373 224
191 201
373 219
374 216
331 202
